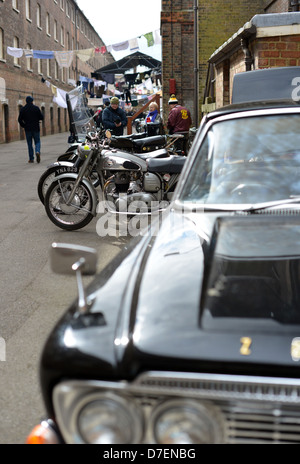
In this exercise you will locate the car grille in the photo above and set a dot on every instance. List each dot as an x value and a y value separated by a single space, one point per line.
255 410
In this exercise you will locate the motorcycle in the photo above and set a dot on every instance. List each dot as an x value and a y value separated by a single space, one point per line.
129 181
81 122
70 162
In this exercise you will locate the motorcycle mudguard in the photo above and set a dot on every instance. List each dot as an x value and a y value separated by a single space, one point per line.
88 185
60 163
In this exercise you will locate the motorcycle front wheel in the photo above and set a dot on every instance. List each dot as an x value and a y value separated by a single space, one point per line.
71 216
49 175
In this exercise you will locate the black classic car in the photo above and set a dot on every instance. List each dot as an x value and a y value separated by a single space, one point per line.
192 334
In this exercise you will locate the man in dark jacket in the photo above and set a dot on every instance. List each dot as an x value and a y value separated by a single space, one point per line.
114 118
29 118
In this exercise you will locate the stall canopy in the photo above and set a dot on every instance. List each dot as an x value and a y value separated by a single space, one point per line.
127 63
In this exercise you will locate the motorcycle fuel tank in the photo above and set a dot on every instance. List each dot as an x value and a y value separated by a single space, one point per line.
121 161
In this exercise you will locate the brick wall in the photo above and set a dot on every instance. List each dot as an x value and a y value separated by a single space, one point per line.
177 29
21 82
273 52
217 21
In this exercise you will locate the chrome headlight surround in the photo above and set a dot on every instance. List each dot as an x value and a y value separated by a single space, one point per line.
88 416
181 421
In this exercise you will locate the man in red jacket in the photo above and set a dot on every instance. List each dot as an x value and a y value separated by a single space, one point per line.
179 121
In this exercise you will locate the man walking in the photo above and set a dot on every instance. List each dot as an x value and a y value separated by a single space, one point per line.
179 121
29 118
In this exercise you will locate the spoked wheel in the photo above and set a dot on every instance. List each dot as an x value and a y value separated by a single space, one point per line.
49 175
45 181
71 216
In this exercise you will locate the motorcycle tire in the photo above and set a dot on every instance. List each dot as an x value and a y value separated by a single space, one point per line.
49 175
69 217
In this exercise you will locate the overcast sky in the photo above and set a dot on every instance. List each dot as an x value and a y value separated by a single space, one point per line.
118 20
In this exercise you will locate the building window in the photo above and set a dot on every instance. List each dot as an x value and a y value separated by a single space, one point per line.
1 44
62 4
16 45
48 68
55 31
28 10
38 16
48 29
15 4
62 36
29 59
39 64
55 70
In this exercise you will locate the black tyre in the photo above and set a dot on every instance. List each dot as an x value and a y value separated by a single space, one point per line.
45 181
51 173
69 217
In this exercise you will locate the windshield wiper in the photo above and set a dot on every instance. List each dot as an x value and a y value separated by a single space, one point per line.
272 204
253 208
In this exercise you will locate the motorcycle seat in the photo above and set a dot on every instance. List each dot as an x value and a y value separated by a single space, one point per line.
154 141
172 165
137 144
162 153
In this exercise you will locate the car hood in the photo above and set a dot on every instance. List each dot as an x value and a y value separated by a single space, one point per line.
220 289
210 293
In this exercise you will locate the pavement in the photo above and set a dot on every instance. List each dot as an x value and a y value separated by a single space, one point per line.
32 297
50 146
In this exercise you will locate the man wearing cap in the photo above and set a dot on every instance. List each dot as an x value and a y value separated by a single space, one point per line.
114 118
29 118
179 121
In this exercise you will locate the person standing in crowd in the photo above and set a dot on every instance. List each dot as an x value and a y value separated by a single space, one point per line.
29 118
154 120
179 121
98 116
114 118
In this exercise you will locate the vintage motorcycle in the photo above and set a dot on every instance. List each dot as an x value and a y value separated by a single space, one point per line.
130 183
70 162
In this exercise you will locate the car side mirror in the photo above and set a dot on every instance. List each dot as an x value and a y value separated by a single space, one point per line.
64 256
74 259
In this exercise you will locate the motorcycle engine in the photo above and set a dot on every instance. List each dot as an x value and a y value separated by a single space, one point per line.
152 182
122 181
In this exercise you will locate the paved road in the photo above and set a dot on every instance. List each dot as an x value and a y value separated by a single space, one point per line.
32 298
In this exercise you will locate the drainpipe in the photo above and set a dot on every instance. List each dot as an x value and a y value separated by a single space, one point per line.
196 67
247 54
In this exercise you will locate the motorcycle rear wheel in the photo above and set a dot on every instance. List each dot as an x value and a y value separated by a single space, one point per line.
69 217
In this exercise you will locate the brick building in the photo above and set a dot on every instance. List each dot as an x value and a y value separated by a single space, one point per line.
51 25
217 20
265 41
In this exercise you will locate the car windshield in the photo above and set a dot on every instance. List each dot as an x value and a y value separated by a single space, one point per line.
247 160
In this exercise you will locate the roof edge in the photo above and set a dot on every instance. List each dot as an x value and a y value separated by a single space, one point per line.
250 28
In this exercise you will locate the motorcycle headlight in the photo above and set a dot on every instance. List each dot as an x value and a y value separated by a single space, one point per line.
89 417
83 151
186 422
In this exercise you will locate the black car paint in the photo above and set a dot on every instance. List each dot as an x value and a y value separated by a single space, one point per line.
145 292
154 295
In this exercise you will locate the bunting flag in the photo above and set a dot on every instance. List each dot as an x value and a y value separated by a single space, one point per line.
65 58
133 44
85 54
149 38
121 46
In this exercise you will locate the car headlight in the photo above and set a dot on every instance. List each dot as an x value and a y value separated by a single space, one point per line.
186 422
93 417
